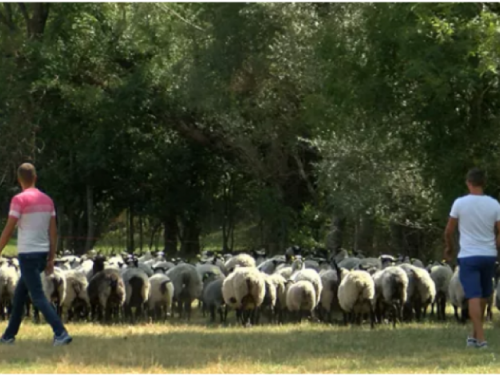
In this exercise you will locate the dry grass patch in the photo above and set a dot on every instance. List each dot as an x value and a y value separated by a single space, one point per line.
182 348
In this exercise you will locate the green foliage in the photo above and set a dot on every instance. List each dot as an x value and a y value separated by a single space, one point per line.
197 117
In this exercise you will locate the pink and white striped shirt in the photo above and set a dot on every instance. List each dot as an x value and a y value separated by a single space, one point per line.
33 209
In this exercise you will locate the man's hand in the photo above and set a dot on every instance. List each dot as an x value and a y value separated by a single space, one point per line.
49 269
448 237
448 254
7 232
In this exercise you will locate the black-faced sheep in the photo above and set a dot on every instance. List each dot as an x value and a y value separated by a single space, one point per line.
137 292
106 292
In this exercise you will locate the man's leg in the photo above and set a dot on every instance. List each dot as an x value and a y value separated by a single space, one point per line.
471 282
16 317
486 272
34 284
476 313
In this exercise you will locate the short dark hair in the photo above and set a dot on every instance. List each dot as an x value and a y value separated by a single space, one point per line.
26 173
476 177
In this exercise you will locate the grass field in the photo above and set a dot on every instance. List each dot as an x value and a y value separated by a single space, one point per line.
305 348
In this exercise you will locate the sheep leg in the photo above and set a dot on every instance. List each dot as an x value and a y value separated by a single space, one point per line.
455 308
36 314
465 314
489 313
179 308
443 309
28 308
256 315
187 307
372 318
212 313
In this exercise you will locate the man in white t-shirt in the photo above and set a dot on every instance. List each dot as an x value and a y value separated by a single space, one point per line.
477 216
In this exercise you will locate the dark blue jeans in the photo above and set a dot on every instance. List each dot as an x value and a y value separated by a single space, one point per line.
31 267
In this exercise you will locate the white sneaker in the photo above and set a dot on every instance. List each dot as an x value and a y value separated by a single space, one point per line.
471 342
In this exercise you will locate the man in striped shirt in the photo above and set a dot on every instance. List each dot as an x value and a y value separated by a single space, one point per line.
34 214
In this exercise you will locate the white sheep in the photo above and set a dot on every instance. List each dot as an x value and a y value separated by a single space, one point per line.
9 277
356 295
161 294
287 271
313 277
77 298
457 296
329 300
54 288
441 275
242 260
300 298
421 291
244 290
269 304
280 305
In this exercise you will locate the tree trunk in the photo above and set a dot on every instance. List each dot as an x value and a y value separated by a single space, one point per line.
334 239
191 238
80 234
153 235
131 245
60 220
397 245
140 234
170 234
90 218
364 238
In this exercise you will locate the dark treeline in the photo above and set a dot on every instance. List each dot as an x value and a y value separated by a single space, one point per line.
318 124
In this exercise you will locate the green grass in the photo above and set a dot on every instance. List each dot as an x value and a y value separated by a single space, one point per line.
11 248
245 236
197 347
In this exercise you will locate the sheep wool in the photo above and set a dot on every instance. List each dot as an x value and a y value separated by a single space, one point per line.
441 275
76 292
242 260
357 294
301 298
161 294
329 293
313 277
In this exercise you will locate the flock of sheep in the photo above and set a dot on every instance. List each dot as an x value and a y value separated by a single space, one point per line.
282 288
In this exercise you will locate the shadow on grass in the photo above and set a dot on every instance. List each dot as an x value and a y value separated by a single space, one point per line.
418 348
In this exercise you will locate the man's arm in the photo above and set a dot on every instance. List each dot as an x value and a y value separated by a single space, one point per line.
498 234
449 233
53 238
7 232
53 246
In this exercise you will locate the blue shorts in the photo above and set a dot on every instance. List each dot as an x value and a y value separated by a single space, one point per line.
476 274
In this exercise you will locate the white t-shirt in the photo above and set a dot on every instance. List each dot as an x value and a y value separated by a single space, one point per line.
477 216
